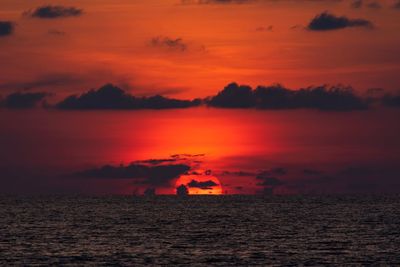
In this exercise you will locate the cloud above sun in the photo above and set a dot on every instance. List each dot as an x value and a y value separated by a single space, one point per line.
234 96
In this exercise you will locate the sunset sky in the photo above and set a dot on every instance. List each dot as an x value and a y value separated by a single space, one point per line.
258 96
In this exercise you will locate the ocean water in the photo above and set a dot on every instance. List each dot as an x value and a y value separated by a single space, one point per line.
201 230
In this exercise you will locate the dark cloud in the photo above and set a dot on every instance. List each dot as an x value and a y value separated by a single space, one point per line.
238 173
182 190
234 96
391 100
218 2
277 97
228 2
50 80
278 171
149 192
327 22
180 156
156 161
6 28
357 4
268 182
369 178
206 185
52 12
22 100
170 43
397 5
159 175
166 43
374 5
312 172
112 97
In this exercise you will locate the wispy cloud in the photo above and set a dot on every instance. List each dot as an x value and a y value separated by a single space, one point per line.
53 12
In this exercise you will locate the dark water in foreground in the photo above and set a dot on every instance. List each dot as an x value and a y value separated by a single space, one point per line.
229 230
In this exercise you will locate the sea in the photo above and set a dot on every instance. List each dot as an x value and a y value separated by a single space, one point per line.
338 230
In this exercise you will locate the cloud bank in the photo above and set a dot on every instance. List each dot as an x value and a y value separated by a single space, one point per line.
159 175
112 97
22 100
273 97
278 97
391 100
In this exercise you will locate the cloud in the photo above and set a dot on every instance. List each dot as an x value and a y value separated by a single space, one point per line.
312 172
397 5
327 22
159 175
235 2
297 27
57 32
268 182
269 28
156 161
278 171
237 173
6 28
391 100
149 192
206 185
357 4
374 5
23 100
277 97
176 44
182 190
358 178
362 178
216 2
53 12
112 97
50 80
234 96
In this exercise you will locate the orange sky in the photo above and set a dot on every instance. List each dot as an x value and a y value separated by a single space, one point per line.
111 42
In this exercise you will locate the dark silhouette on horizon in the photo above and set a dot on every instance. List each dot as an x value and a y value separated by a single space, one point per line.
182 191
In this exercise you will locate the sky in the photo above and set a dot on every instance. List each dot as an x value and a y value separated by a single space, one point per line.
223 96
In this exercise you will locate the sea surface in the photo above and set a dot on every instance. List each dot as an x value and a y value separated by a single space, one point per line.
201 230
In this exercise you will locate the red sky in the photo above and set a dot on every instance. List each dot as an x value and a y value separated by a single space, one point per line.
111 42
323 141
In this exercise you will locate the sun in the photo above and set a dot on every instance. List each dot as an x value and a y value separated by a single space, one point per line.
200 184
